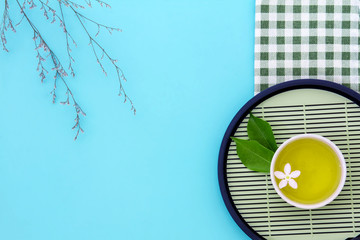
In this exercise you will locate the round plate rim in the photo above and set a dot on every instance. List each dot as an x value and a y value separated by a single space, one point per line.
244 111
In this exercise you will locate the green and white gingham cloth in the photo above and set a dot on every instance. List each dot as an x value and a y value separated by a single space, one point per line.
307 39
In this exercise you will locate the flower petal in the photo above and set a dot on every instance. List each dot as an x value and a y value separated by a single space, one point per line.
287 169
279 175
282 184
295 174
293 184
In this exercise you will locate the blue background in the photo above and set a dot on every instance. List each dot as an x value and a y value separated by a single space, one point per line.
189 66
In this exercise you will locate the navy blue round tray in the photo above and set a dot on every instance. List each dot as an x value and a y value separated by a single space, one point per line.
244 221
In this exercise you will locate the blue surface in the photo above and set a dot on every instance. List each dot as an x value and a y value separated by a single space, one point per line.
189 66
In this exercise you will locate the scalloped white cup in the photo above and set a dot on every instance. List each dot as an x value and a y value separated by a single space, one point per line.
342 165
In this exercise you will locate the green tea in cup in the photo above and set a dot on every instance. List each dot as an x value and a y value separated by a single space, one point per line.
308 171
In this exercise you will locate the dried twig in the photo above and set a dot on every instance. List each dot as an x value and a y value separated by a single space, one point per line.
43 50
94 43
67 34
60 72
5 25
71 3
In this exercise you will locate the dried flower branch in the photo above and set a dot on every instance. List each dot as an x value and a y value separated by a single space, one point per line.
94 43
5 25
69 2
40 61
60 72
67 34
43 49
101 3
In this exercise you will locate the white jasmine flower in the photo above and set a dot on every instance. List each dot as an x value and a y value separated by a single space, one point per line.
287 177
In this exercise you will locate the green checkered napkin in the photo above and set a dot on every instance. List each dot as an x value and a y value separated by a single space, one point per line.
307 39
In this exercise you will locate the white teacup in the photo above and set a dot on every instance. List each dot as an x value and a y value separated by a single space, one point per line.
308 171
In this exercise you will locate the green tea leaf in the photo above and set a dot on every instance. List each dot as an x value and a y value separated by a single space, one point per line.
260 130
253 155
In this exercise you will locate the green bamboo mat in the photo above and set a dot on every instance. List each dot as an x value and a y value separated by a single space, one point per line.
292 113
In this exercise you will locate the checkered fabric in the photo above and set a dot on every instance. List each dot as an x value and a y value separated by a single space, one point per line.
307 39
